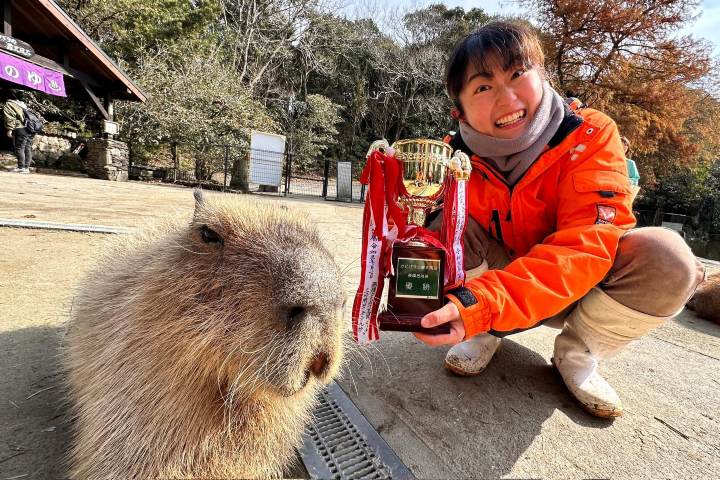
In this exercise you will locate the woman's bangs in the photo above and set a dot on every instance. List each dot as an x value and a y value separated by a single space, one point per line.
489 54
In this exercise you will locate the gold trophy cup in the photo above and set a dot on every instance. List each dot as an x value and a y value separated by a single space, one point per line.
417 281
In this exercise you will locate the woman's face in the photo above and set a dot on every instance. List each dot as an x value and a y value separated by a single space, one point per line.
502 104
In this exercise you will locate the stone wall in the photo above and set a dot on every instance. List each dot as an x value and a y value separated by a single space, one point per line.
48 150
107 159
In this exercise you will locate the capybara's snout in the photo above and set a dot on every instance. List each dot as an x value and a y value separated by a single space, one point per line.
320 346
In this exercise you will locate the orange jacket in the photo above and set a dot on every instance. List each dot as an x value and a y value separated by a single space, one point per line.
560 224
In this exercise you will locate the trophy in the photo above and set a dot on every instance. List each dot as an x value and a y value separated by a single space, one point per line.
407 182
417 277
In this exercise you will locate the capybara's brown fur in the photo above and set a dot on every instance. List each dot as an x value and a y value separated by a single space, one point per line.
196 349
706 301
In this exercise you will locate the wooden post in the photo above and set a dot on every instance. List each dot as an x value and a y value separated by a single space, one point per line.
110 109
6 12
326 174
176 162
225 170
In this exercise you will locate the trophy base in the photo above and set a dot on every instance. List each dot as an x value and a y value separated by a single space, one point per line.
408 323
415 289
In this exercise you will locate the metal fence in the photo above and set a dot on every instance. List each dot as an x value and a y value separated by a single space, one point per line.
342 181
199 165
237 168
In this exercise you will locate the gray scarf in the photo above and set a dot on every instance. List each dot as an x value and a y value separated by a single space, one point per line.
514 156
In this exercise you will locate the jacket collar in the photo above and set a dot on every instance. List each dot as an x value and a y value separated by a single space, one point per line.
570 122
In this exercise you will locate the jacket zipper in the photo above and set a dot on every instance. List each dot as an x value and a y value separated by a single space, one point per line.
495 213
498 227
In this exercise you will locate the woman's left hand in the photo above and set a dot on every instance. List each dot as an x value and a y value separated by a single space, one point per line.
447 314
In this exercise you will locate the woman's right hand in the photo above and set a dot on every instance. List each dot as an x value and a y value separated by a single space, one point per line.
447 314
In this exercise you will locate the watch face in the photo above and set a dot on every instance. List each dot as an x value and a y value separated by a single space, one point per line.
417 278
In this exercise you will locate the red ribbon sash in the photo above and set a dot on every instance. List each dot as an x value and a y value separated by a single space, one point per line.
375 229
384 224
453 229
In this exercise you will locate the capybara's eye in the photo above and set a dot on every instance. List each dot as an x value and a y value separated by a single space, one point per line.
209 235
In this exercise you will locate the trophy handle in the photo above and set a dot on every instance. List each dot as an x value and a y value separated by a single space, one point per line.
381 145
460 165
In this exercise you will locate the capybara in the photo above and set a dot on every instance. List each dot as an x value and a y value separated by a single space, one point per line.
196 348
706 301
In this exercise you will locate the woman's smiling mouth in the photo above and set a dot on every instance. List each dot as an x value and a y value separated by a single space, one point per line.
511 120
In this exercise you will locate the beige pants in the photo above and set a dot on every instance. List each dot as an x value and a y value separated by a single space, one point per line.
655 272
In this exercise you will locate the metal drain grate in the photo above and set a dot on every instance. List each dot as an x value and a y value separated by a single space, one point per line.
341 444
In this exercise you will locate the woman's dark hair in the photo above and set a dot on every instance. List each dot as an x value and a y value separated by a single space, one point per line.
501 44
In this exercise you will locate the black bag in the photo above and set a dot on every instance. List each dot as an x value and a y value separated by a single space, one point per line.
33 124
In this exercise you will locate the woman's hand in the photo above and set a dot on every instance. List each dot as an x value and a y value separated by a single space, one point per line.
447 314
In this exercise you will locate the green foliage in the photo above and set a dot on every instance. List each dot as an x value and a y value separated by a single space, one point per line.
314 130
692 191
192 99
442 26
128 29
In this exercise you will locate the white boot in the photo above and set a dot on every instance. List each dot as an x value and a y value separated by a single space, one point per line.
597 328
470 357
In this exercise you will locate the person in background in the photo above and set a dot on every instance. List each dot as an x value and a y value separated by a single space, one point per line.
14 116
633 172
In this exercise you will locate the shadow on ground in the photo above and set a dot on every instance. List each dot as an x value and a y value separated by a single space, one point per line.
33 426
466 426
700 325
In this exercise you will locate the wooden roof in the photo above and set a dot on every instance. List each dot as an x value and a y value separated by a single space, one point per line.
61 45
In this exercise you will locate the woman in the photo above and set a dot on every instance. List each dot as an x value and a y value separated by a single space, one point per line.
550 215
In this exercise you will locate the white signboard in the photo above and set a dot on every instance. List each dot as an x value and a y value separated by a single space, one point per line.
267 155
111 127
344 181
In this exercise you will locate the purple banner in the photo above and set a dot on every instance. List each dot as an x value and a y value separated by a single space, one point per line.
33 76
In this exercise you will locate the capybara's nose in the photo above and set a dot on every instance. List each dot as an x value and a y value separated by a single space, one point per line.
319 364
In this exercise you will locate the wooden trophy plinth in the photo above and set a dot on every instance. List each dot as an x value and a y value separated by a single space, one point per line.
415 288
